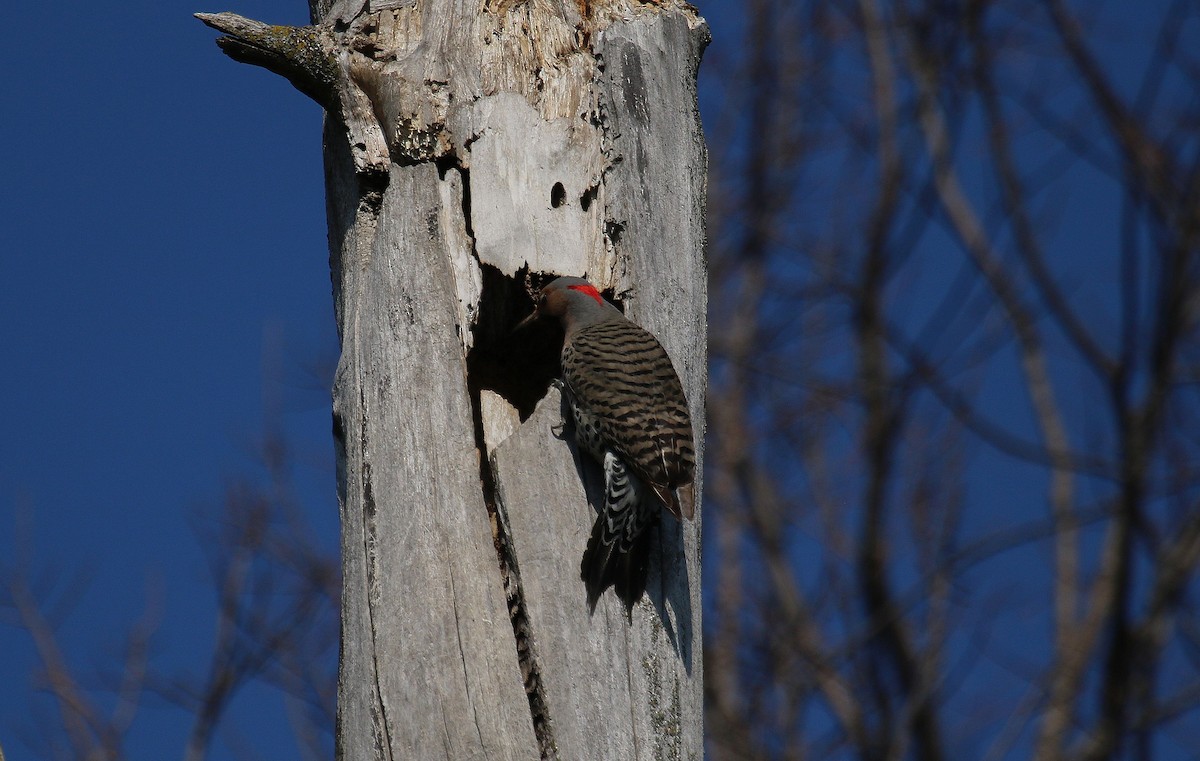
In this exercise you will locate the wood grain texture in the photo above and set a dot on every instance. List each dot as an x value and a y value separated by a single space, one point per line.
428 664
586 661
659 194
517 158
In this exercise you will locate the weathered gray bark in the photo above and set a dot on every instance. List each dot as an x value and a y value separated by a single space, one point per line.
469 151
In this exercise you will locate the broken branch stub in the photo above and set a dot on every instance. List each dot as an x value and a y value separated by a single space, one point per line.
469 150
304 55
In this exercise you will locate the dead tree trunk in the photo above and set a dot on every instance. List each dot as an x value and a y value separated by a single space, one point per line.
472 150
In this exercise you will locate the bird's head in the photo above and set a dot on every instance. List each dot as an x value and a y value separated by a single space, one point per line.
573 300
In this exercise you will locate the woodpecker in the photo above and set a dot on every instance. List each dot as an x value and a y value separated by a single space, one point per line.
631 416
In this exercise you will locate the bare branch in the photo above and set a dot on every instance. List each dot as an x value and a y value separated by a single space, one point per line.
304 55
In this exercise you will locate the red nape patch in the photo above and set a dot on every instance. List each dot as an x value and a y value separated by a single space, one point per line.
589 290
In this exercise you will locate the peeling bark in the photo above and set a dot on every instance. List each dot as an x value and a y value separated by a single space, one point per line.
471 153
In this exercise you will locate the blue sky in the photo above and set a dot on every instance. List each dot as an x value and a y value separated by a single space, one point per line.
164 238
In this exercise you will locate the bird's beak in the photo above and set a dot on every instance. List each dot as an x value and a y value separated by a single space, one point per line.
532 318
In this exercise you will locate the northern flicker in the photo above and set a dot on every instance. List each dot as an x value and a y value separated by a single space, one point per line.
631 416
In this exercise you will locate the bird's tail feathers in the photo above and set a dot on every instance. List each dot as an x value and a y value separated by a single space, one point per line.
618 552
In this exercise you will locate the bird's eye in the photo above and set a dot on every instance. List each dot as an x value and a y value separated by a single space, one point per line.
542 300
